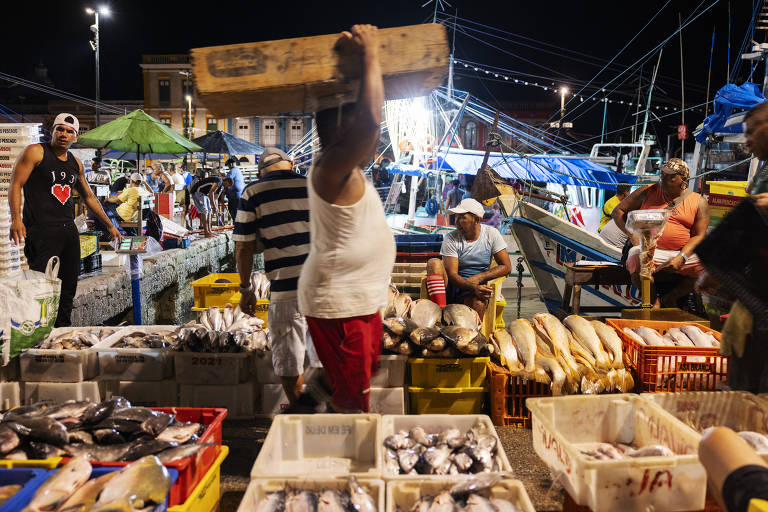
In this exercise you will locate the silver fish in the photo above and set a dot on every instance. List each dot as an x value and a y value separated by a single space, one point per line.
330 501
461 315
423 335
407 459
359 498
435 456
301 501
443 502
425 313
478 503
180 452
272 502
504 505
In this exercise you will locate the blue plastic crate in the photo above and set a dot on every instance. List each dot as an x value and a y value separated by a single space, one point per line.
30 478
22 498
175 243
418 243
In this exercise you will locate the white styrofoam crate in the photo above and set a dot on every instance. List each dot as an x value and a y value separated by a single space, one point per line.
10 395
207 368
58 392
239 399
402 494
391 372
263 369
141 364
560 424
273 399
312 444
387 401
433 424
258 488
162 393
112 259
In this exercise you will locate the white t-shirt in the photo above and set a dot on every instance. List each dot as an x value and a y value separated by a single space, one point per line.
474 257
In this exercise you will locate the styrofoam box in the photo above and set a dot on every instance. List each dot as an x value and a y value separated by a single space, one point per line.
672 483
156 393
403 494
112 259
58 392
433 424
387 401
263 369
10 395
273 399
258 488
312 444
239 399
698 410
391 372
49 365
210 368
141 364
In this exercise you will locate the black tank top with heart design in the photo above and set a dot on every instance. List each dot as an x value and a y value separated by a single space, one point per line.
49 189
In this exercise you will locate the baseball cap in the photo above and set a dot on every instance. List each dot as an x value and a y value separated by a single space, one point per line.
272 156
136 177
67 120
675 166
469 205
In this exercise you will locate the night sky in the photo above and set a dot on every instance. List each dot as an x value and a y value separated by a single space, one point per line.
57 34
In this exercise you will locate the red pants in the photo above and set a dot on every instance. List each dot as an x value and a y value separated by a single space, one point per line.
349 349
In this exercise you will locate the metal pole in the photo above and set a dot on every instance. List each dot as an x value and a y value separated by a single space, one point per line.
605 114
682 86
650 95
98 91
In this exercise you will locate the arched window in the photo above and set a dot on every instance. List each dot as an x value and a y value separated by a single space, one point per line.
470 135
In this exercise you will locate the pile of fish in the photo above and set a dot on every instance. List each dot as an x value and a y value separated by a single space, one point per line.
77 339
223 330
353 498
140 339
108 431
685 336
141 485
469 495
574 356
424 329
261 285
619 451
449 452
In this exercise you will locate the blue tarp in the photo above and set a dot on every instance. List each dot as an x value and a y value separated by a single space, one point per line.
549 169
744 96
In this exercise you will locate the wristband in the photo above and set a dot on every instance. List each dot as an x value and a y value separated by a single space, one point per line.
246 289
682 255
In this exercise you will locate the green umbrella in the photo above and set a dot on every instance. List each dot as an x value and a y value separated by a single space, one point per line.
140 133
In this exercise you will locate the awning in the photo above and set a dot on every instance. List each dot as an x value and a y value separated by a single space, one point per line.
729 97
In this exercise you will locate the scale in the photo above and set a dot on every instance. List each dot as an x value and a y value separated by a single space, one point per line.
648 225
134 246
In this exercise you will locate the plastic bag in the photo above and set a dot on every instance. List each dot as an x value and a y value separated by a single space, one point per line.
648 225
80 222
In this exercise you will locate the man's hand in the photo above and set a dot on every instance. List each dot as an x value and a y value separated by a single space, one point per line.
635 240
248 302
115 235
761 200
674 264
482 291
707 284
363 37
18 231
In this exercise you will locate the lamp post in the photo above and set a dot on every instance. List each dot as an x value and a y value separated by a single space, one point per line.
189 116
563 92
188 99
95 46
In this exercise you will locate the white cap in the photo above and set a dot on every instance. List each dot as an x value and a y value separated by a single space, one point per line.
67 120
136 177
469 205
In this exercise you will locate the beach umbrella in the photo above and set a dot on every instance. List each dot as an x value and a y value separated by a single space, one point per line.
223 143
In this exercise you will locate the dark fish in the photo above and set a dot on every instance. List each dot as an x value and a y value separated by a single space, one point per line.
9 440
140 449
69 409
80 436
108 436
40 428
26 410
151 422
104 409
126 428
156 424
36 450
97 452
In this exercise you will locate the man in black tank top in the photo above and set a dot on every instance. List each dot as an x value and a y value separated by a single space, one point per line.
48 174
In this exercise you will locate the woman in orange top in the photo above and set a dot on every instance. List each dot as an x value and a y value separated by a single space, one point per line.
685 229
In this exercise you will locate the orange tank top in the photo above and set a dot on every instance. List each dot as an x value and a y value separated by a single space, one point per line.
677 232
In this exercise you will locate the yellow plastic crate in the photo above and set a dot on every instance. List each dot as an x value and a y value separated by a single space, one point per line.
728 188
89 244
206 494
447 400
50 463
433 372
499 321
209 293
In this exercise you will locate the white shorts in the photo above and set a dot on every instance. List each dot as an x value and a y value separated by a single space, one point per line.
292 348
202 203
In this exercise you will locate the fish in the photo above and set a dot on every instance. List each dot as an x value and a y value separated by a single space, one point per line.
461 315
399 441
585 335
407 459
459 337
360 499
402 305
503 505
699 337
437 344
7 492
80 436
181 452
38 450
98 452
443 502
301 501
434 457
403 348
524 338
85 497
423 335
632 334
138 485
395 325
425 313
756 440
478 503
656 450
551 366
108 436
451 437
331 501
388 340
391 463
650 337
180 432
389 309
104 409
422 504
47 430
420 436
551 330
60 485
9 440
463 460
610 341
143 448
272 502
680 339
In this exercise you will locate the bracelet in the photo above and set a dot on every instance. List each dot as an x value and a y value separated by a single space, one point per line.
246 288
682 255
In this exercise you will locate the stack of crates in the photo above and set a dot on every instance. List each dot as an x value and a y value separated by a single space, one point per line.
723 197
448 386
90 257
417 248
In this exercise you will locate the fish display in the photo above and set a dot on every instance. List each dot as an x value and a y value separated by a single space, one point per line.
471 494
141 485
572 356
226 330
619 451
685 336
77 339
351 497
449 452
423 329
141 339
261 285
108 431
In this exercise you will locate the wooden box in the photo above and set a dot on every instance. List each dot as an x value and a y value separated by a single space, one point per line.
308 74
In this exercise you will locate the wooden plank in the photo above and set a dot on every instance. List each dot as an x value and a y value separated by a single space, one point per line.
308 74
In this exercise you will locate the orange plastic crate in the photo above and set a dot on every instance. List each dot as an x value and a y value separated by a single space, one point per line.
415 257
671 369
508 396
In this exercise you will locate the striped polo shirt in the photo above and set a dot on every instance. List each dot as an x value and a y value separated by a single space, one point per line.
274 213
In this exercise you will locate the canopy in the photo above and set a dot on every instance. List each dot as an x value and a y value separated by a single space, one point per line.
223 143
140 133
548 169
116 154
744 96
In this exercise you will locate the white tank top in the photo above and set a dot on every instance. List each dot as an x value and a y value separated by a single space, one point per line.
350 260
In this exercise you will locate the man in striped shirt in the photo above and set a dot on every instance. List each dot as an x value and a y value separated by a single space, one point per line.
273 217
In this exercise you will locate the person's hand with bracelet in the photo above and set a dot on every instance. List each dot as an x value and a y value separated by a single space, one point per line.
247 299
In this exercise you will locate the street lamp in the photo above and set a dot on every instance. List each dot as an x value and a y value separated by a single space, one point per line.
189 119
188 98
563 92
103 10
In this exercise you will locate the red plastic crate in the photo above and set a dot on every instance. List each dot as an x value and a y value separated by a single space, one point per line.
192 469
671 369
164 204
415 257
508 396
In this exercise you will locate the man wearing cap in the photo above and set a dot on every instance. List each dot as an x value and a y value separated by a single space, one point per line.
273 218
47 174
467 253
685 229
129 199
205 193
